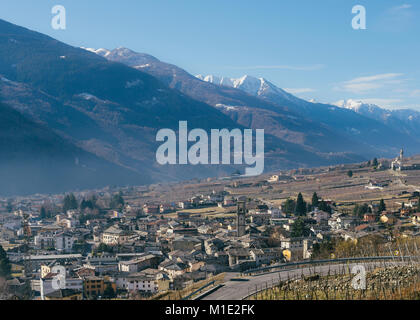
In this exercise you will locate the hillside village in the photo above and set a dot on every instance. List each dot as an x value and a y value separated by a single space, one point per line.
144 242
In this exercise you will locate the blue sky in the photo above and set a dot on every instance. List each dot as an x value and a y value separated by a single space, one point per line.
308 47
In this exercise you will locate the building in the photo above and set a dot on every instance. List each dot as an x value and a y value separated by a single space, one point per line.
114 236
151 209
185 243
292 243
148 282
265 256
273 179
228 201
64 242
52 282
44 241
238 255
102 263
240 219
38 260
64 294
369 217
93 286
398 163
184 204
165 208
276 213
174 269
138 264
416 218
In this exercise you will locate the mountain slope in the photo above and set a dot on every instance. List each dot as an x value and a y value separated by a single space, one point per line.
33 159
105 107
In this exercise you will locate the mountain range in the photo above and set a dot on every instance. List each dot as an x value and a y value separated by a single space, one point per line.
102 109
403 120
329 131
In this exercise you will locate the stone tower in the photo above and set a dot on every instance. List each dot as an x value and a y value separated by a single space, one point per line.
240 218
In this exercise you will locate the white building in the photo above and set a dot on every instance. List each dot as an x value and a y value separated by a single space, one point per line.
53 282
64 242
151 283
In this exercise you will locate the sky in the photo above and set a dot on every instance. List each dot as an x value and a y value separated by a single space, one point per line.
307 47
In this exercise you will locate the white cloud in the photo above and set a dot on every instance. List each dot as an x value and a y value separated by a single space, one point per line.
377 77
361 87
398 18
403 7
369 83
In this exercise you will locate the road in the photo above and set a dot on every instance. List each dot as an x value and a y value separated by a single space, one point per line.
237 290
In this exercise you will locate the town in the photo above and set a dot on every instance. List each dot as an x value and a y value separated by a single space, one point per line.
177 240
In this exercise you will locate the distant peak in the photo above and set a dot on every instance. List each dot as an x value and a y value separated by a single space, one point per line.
101 51
353 104
126 55
250 84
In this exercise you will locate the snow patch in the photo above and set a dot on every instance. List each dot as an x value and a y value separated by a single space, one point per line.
101 51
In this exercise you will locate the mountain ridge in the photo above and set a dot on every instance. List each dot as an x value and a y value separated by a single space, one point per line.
264 103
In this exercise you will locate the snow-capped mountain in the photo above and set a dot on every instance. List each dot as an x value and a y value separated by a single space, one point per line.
246 83
251 85
135 59
367 109
377 112
322 129
101 51
403 120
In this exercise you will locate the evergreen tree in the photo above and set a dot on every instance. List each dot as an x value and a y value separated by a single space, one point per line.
299 229
289 206
300 209
70 202
5 266
9 206
375 162
117 201
350 173
323 206
87 204
360 210
315 200
382 206
43 213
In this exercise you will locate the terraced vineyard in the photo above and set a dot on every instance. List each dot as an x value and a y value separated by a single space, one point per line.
389 283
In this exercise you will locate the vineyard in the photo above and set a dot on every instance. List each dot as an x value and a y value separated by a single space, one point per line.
382 283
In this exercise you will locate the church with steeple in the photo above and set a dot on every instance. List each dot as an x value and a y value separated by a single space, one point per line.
398 163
